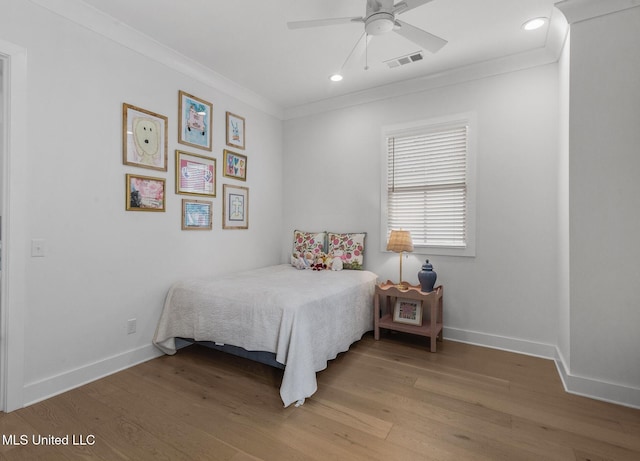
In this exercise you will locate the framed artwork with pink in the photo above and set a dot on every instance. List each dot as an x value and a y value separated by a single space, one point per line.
145 193
195 174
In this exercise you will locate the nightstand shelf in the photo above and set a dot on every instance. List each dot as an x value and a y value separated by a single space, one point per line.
385 299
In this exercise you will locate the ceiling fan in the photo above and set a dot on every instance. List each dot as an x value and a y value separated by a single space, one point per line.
381 18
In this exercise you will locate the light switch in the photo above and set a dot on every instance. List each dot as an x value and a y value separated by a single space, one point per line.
37 248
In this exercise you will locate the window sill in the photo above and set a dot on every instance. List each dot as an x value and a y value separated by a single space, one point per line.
445 251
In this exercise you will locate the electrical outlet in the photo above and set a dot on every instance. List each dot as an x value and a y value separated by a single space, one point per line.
37 248
131 326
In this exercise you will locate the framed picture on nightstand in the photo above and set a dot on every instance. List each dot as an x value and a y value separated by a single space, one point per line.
408 311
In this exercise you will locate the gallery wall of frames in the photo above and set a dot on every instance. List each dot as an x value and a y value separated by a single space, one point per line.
145 146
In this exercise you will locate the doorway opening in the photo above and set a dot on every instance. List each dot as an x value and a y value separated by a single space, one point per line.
13 222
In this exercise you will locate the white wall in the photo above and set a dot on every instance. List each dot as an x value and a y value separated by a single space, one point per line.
105 265
604 190
507 295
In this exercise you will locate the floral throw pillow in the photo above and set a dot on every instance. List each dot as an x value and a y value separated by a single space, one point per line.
308 242
352 247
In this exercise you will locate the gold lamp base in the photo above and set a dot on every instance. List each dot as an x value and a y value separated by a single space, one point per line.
400 285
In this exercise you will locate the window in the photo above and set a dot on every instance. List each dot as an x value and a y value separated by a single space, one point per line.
428 185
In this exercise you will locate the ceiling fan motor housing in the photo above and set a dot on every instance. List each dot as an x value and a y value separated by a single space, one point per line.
379 23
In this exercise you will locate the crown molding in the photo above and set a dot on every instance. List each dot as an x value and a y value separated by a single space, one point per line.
582 10
103 24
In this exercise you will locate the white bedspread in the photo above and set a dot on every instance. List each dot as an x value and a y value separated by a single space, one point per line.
305 317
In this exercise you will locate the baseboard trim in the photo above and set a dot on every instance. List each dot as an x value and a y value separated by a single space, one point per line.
573 384
520 346
55 385
595 389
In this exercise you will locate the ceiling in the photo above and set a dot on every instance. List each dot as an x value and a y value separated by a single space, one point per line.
249 43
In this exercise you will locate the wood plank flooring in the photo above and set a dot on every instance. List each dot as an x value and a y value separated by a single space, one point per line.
383 400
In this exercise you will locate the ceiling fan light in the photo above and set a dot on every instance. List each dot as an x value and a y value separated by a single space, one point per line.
535 23
335 78
379 23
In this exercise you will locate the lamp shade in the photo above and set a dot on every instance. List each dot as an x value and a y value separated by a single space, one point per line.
399 241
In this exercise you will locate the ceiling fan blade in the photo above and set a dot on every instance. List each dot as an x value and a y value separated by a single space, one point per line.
357 51
322 22
420 37
408 5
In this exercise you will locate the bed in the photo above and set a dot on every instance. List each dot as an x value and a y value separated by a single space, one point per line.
300 318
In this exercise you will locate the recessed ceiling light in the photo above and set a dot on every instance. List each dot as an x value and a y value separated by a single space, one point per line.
335 78
535 23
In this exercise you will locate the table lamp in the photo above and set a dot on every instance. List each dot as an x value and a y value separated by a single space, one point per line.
399 242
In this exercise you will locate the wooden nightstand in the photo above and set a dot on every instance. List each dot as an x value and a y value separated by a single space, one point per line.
386 296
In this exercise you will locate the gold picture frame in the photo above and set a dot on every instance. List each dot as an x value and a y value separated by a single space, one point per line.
145 193
235 131
195 121
197 214
235 207
234 165
144 138
195 174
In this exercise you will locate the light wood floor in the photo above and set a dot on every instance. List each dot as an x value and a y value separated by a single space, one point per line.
385 400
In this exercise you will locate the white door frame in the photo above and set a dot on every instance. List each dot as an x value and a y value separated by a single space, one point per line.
14 208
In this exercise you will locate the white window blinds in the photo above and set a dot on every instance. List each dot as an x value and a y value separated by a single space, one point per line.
427 185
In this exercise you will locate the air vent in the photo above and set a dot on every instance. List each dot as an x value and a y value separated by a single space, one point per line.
404 60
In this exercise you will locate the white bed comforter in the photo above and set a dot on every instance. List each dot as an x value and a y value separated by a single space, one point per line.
305 317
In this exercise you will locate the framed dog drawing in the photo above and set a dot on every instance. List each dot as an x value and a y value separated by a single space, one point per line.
144 138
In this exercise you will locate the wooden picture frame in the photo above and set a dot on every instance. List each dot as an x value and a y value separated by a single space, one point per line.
408 311
145 193
195 121
235 131
235 165
197 214
144 138
195 174
235 207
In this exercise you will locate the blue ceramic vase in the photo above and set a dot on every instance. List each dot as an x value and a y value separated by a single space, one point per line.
427 277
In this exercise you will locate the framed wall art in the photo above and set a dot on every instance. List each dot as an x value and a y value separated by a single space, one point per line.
197 215
195 123
235 165
235 130
195 174
145 193
235 207
408 311
144 138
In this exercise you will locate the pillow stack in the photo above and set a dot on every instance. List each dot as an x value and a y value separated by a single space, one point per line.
308 246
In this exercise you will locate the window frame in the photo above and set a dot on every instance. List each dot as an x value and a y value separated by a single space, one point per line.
429 125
